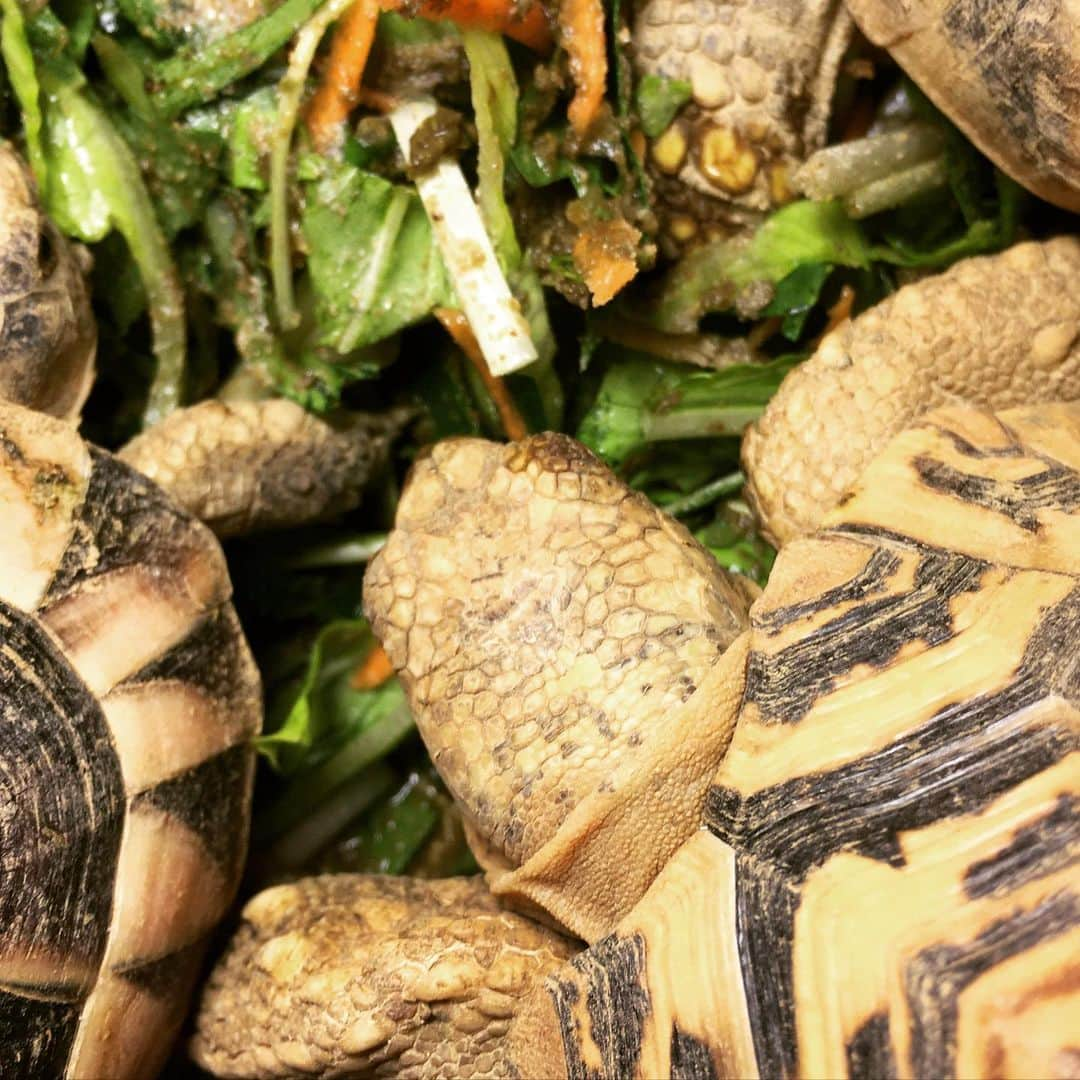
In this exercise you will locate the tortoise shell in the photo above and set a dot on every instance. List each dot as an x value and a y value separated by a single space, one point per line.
128 697
887 880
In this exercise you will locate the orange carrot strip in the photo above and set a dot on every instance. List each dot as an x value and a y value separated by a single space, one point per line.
840 312
336 95
498 16
582 23
457 326
373 671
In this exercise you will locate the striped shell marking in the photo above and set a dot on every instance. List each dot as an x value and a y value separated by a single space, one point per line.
127 699
889 880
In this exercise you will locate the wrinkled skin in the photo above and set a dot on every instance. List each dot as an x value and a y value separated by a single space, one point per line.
48 337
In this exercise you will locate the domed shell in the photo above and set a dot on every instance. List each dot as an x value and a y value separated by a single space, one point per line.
887 884
128 697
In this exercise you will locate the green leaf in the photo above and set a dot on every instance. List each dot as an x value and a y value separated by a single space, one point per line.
372 257
249 139
325 710
643 400
199 73
95 184
22 75
658 100
735 544
712 277
796 296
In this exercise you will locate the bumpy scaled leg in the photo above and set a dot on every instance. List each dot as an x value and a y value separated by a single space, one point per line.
390 976
566 649
762 75
244 467
999 330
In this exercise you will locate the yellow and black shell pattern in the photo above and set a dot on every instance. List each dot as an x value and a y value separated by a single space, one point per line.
888 881
128 698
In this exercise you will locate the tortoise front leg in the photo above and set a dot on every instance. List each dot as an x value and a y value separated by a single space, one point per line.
349 973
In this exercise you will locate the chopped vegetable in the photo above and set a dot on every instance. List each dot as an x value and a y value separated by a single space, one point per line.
493 313
658 100
336 96
582 36
15 49
605 253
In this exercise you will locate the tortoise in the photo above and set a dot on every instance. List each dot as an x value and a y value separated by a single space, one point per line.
827 830
128 694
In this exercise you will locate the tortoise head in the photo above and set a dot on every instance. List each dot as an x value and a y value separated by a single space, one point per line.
48 338
568 654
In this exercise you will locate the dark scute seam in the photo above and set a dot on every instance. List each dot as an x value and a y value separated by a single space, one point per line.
690 1057
36 1036
1037 850
166 976
870 1053
209 800
786 684
951 765
1054 487
935 978
872 578
765 907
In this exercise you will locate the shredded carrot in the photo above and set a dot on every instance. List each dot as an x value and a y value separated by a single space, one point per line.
582 23
763 331
336 95
840 312
373 671
339 92
499 16
457 326
605 254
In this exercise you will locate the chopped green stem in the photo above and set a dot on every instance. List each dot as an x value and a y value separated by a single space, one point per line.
900 188
312 787
19 61
290 90
196 75
707 495
351 551
840 170
698 423
125 76
321 823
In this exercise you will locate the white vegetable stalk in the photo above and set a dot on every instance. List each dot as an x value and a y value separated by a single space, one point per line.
494 315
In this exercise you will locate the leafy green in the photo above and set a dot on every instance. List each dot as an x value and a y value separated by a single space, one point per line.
249 135
22 75
372 257
199 72
714 276
732 540
95 185
643 400
658 100
796 296
325 710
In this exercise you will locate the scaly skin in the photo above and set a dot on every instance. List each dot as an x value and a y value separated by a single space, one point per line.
386 976
577 635
243 467
48 337
998 330
762 75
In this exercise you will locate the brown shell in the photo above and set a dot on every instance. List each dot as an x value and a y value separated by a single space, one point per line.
889 881
128 698
1006 72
